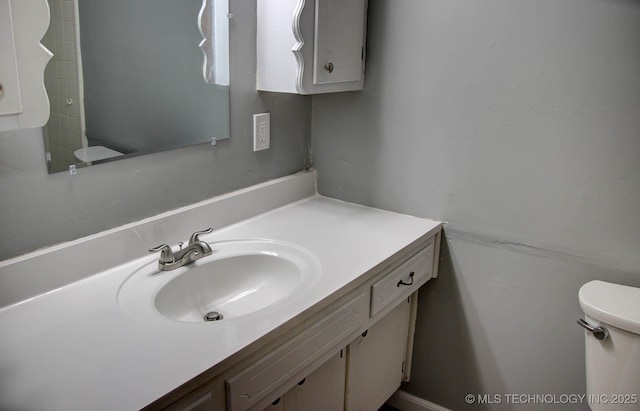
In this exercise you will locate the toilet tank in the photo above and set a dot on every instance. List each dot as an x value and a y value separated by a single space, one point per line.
613 364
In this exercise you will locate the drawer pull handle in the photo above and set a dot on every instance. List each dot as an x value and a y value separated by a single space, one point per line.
411 274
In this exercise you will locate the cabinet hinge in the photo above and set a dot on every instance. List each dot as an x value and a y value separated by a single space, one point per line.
403 367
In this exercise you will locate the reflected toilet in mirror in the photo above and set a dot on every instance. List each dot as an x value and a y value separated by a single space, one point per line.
95 153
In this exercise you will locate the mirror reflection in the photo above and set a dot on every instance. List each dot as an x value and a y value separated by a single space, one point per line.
127 78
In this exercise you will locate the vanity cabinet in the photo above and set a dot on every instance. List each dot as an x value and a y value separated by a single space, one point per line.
310 47
259 384
353 354
23 99
365 373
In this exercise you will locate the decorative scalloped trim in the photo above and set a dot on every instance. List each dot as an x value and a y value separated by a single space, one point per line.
31 21
44 55
206 43
297 47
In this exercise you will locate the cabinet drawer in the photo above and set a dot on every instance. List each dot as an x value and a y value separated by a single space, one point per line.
402 281
259 380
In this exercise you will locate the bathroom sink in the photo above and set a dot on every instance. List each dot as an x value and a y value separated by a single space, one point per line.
231 286
239 279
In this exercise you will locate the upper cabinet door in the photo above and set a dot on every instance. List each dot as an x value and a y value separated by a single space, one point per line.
339 41
23 100
9 86
310 46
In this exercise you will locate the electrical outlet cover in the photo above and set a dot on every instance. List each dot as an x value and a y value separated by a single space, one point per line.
261 131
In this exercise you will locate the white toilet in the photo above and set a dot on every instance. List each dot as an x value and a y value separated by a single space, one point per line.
95 153
612 345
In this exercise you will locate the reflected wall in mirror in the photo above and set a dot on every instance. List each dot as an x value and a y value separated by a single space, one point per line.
127 78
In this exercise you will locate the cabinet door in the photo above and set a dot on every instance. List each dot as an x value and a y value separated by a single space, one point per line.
339 41
277 405
9 87
209 397
23 99
322 390
376 361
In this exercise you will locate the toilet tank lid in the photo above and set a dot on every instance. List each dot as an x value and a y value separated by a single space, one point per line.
615 304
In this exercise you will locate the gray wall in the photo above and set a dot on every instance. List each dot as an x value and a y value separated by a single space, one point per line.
38 209
516 122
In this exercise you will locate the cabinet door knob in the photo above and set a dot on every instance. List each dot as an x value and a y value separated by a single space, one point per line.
329 67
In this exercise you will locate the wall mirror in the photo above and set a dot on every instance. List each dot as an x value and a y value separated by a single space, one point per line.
131 77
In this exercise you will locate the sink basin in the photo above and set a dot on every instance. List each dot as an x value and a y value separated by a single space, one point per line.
239 279
232 286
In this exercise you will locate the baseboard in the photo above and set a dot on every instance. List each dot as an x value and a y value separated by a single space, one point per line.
407 402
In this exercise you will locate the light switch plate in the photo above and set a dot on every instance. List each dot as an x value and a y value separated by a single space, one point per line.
261 131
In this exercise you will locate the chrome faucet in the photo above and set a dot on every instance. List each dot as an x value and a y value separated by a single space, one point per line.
196 249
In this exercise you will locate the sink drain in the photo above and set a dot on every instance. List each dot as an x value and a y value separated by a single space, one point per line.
213 316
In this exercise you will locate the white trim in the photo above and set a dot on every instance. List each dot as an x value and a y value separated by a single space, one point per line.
407 402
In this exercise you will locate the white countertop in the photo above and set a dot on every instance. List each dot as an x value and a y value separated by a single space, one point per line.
75 349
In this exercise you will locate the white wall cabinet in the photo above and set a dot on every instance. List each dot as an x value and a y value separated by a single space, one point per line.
351 355
310 46
23 98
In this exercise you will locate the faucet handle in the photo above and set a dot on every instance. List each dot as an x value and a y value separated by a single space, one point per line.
194 237
166 254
